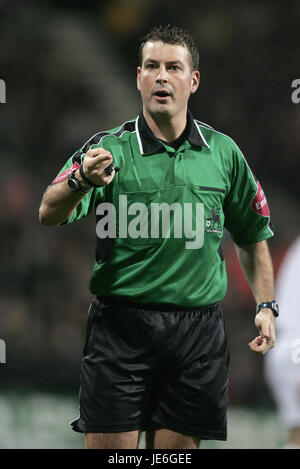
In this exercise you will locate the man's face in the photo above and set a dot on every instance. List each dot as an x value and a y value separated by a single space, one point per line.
165 79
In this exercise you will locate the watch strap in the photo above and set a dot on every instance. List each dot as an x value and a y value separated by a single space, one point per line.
273 305
79 188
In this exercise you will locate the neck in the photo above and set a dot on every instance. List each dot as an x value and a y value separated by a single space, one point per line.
165 127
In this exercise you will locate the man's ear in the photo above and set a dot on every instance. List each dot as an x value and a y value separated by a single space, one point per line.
195 81
139 69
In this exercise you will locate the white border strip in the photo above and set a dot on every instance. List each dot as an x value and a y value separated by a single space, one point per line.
201 134
138 135
108 134
221 133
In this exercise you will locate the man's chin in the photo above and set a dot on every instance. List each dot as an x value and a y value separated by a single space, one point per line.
161 111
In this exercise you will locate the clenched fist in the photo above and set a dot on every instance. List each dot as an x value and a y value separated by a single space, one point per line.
95 162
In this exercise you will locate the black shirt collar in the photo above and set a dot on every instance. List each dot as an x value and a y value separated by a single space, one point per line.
150 144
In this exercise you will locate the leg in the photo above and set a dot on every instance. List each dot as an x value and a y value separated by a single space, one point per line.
295 436
124 440
192 396
167 439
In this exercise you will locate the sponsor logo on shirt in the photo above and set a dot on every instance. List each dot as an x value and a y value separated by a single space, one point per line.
61 177
213 223
259 203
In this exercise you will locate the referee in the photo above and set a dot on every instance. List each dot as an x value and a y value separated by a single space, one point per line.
162 186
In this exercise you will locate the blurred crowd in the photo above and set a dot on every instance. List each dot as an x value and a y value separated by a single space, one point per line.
70 71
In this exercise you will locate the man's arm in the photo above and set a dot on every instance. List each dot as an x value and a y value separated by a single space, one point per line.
59 202
256 263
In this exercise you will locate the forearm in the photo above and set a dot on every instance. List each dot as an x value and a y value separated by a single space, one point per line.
58 203
256 263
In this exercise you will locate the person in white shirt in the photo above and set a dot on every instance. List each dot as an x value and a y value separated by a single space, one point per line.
282 364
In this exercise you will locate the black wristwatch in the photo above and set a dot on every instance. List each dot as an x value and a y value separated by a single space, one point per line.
75 184
273 305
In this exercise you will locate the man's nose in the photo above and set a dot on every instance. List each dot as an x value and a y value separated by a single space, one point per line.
162 75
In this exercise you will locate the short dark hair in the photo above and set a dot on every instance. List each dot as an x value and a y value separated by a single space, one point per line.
172 35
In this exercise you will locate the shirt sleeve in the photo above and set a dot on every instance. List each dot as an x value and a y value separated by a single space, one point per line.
247 214
87 203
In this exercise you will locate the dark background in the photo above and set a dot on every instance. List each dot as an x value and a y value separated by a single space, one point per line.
70 71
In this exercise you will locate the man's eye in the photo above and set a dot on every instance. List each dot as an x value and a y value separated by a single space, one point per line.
150 66
174 67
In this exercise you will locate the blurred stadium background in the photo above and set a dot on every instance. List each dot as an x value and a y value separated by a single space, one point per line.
70 71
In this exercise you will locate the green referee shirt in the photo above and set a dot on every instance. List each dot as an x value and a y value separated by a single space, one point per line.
164 213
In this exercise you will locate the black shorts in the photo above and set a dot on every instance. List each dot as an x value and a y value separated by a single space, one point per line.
148 367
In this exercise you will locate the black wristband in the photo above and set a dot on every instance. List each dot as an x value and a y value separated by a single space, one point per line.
87 179
75 184
273 305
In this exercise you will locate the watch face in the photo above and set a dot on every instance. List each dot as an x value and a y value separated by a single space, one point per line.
273 305
72 184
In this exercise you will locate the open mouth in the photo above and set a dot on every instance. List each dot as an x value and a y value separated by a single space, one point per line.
162 94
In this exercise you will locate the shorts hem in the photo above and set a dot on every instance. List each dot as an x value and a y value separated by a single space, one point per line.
83 427
200 433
